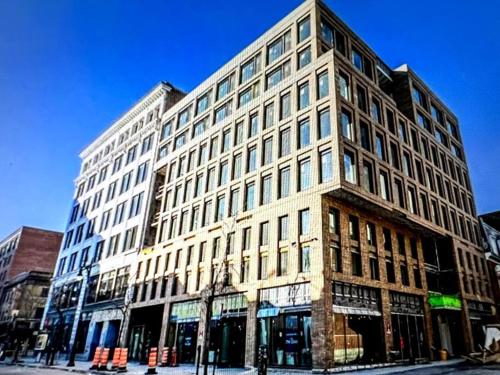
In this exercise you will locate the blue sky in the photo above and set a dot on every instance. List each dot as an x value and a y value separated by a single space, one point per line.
69 68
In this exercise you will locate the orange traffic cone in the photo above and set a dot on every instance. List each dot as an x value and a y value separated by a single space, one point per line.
103 363
116 358
97 357
164 357
152 361
173 357
122 366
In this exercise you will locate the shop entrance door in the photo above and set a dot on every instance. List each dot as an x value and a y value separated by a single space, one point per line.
228 335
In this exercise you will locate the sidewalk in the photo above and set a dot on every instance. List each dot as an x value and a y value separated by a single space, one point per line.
134 368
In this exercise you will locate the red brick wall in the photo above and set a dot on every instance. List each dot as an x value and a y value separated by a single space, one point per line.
37 251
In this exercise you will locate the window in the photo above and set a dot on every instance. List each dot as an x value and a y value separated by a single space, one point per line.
324 128
361 97
347 127
365 135
147 144
262 266
303 95
249 68
304 57
183 118
285 148
423 121
142 172
253 125
238 136
350 167
119 213
252 159
380 146
223 111
304 29
323 88
248 95
277 75
304 219
125 184
220 208
304 133
326 169
305 258
285 106
357 59
246 238
224 87
334 221
344 86
284 182
278 47
418 97
264 234
249 196
234 203
407 169
129 239
223 173
384 185
283 262
283 228
267 151
412 203
336 257
368 183
202 103
266 196
226 140
269 115
304 174
117 164
237 166
356 263
376 111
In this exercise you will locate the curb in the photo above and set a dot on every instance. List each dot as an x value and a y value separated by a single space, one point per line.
67 369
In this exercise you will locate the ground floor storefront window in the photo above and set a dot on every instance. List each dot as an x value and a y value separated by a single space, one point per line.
183 330
408 333
284 325
228 330
358 324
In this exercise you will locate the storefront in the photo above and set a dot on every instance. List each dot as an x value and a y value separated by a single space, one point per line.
358 324
284 325
183 330
228 330
480 314
408 333
446 315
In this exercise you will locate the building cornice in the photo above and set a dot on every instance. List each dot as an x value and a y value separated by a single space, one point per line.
136 110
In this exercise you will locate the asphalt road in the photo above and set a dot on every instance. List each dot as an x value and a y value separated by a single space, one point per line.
17 370
460 369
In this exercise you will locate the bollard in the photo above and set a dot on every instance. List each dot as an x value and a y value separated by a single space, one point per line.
103 363
116 359
164 357
152 361
95 360
122 366
262 360
173 357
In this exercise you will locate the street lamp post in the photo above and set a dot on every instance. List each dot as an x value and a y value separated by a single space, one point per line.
78 313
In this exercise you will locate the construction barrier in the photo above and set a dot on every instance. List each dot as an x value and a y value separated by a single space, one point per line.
152 361
97 357
122 366
116 359
103 363
173 357
164 357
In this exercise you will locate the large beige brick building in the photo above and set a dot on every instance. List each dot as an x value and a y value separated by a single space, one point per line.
321 197
328 194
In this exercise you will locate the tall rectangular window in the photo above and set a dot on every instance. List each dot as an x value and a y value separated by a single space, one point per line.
368 182
304 222
252 159
264 234
303 95
304 29
324 128
268 151
285 147
284 182
350 173
326 167
249 196
344 86
347 126
283 228
305 258
285 106
304 174
266 192
304 57
304 133
323 89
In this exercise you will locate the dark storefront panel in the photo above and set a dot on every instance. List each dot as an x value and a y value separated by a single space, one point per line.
183 330
285 324
358 324
408 329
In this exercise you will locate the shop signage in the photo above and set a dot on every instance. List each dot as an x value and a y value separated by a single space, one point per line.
444 302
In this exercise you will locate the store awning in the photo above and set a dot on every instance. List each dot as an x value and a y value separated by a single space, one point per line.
270 311
348 310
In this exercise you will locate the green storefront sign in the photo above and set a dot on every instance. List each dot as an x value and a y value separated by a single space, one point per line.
443 301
